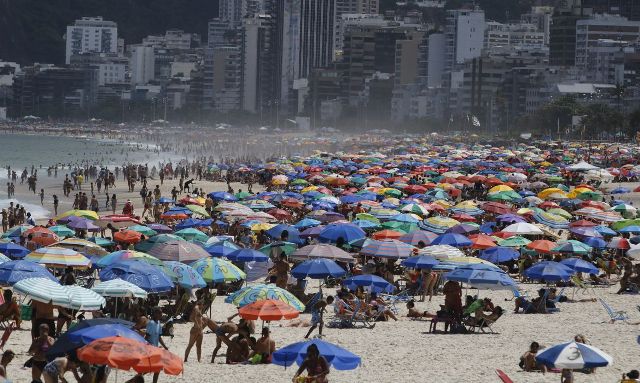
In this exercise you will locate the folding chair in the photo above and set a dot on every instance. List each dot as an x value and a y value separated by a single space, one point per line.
555 301
614 315
392 300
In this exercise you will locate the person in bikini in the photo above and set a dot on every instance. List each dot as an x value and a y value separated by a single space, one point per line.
195 334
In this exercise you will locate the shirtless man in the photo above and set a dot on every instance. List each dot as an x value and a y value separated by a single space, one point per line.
195 335
263 348
282 268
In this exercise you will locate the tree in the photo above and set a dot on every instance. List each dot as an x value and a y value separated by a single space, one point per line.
601 120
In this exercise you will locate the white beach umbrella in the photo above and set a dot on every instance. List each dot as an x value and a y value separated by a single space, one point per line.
523 228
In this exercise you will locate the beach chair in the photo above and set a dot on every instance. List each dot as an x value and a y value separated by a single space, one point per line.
346 316
555 301
614 315
579 284
473 324
392 300
503 376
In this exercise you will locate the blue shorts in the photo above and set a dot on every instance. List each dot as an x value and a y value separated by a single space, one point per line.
315 318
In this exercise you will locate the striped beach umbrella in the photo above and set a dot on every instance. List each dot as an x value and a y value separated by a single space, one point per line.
62 231
58 257
322 250
16 231
89 214
250 294
390 248
551 220
84 299
149 232
441 252
181 251
43 290
218 270
119 288
438 224
85 247
574 356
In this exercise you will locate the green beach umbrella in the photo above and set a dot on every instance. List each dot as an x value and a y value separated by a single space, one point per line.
287 247
62 231
143 230
198 210
515 241
191 234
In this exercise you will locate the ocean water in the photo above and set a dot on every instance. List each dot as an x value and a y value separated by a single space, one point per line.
36 210
20 151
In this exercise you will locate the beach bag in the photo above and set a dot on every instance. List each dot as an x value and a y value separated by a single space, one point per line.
25 312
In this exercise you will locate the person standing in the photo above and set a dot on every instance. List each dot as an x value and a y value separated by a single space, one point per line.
114 203
55 204
154 334
42 197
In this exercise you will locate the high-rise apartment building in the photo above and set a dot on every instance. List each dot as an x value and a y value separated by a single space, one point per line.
91 35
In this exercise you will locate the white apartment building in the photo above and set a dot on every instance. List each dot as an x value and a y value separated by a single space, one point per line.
513 36
91 35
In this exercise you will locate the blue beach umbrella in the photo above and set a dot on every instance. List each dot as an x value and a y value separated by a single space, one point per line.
482 276
452 239
64 345
89 334
247 255
337 357
390 248
605 230
549 271
222 196
580 265
574 356
183 275
221 249
318 269
499 254
14 271
420 262
148 277
347 231
13 250
595 242
371 282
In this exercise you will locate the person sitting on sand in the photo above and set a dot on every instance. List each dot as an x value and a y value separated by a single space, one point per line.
224 331
316 366
264 347
632 376
535 306
415 314
528 359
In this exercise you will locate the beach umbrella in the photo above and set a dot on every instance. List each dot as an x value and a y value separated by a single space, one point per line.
542 246
464 229
268 310
522 228
43 290
199 210
119 288
13 250
223 196
389 248
619 243
451 239
127 236
82 246
481 276
274 249
191 234
247 255
181 251
580 265
156 239
221 249
156 227
218 270
307 223
499 254
633 229
16 231
82 224
319 268
89 214
62 231
574 356
144 230
482 241
118 221
14 271
597 243
87 335
373 283
333 232
148 277
63 344
337 357
415 237
441 252
250 294
183 275
549 271
125 354
420 262
58 257
127 255
82 299
438 224
163 200
322 250
572 247
387 234
4 258
515 241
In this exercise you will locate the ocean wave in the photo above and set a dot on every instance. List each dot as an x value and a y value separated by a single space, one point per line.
37 211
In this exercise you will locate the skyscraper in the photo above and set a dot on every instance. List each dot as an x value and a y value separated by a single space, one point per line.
91 35
234 11
318 18
464 35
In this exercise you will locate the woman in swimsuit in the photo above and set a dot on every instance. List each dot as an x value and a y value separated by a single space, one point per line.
54 371
316 366
195 335
38 349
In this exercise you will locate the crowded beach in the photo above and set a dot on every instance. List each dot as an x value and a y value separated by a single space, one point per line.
388 260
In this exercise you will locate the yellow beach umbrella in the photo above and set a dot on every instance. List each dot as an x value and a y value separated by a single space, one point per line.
500 188
89 214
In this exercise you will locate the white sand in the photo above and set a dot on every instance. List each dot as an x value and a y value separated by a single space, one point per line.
404 351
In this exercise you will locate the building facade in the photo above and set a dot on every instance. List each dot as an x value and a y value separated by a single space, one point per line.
91 35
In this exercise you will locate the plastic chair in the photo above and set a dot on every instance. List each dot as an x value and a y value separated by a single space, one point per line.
615 315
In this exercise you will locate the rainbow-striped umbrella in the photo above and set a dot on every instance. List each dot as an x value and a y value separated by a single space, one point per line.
439 224
218 270
58 257
82 246
388 249
88 214
250 294
128 255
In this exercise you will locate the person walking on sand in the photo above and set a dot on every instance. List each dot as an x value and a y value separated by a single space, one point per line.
114 203
42 197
